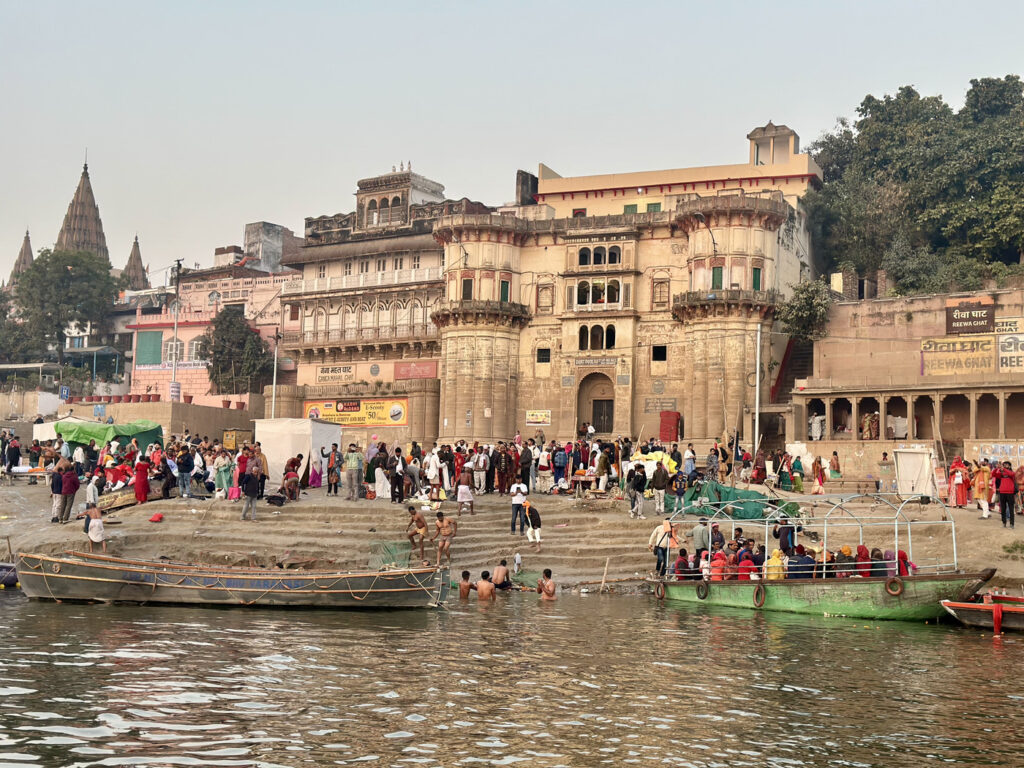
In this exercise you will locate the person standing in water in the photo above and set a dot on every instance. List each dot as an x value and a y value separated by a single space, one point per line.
546 587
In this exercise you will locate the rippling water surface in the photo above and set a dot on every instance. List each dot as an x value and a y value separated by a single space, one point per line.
586 681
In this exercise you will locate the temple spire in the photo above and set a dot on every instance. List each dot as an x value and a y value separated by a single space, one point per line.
24 260
82 229
134 270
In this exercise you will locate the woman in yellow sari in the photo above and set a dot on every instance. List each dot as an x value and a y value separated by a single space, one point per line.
982 477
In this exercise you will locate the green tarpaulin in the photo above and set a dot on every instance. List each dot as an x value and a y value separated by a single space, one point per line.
745 505
146 431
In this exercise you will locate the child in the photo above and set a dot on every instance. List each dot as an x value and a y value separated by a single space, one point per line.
95 529
679 486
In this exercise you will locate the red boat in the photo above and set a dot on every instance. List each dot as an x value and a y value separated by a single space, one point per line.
996 612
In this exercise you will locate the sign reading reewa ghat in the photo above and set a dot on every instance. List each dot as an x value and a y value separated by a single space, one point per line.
951 356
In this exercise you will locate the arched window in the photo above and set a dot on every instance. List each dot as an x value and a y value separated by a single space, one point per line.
613 292
371 213
609 337
396 208
584 257
599 255
418 316
320 320
597 292
396 202
366 316
660 292
584 338
583 293
351 318
597 337
614 255
174 350
213 298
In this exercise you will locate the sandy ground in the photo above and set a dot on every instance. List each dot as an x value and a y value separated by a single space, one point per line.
323 530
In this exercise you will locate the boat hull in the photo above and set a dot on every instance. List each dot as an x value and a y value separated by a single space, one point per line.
75 579
862 598
1009 616
8 576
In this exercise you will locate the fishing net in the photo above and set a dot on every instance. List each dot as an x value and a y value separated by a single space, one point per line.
395 553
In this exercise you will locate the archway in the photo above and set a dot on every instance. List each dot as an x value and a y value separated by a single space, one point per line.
595 402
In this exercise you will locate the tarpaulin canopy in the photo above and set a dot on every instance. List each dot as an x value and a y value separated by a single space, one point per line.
745 505
48 430
283 439
145 431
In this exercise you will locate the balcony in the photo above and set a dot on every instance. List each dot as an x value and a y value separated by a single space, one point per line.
478 312
399 277
344 337
768 204
686 306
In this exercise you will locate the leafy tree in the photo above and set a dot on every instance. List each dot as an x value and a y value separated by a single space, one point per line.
17 344
62 288
238 358
805 314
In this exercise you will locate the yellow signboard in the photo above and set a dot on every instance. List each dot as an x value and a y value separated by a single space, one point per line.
360 412
538 418
957 355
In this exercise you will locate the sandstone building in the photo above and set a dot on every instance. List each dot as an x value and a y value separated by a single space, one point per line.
630 301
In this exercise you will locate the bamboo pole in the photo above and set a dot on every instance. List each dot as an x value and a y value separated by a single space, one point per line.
605 576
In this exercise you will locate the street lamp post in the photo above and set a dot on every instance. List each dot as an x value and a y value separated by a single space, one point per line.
175 388
273 386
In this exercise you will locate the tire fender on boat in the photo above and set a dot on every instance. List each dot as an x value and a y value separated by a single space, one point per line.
703 590
659 591
759 595
894 586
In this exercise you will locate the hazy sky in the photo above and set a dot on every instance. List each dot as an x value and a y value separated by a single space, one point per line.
202 116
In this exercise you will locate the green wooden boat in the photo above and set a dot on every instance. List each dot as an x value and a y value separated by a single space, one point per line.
918 599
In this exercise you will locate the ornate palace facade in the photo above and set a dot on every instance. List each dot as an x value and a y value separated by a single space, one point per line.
629 301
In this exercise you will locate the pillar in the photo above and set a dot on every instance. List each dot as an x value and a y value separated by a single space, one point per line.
973 398
911 420
828 419
1002 415
883 407
855 416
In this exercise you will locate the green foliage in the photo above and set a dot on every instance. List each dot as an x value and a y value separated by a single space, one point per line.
805 314
61 288
911 178
16 342
239 360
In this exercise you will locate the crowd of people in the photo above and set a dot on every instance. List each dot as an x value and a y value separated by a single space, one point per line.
714 558
990 484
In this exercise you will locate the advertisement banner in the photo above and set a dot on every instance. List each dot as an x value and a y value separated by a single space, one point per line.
953 356
360 412
538 418
414 370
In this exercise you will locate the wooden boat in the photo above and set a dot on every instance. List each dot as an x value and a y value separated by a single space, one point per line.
851 517
995 612
96 578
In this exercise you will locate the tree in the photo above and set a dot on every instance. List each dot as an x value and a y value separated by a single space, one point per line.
238 358
805 314
62 288
17 344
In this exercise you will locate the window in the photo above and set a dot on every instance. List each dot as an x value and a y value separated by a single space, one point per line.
364 266
77 342
597 292
348 268
506 288
584 257
583 293
173 350
195 349
755 282
570 296
716 278
371 213
148 347
599 255
293 312
631 208
597 337
545 298
659 353
467 289
382 264
399 263
543 355
584 338
609 337
416 261
659 296
213 298
654 207
579 213
613 292
614 255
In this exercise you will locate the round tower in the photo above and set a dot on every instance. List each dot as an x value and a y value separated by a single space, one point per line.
479 322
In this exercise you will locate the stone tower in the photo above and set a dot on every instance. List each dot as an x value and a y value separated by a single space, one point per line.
23 262
480 319
134 270
82 229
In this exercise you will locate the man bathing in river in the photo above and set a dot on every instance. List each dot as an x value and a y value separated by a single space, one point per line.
546 586
501 579
485 587
446 528
465 586
419 524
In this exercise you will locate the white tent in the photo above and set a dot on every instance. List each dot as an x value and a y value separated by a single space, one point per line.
282 439
915 473
48 430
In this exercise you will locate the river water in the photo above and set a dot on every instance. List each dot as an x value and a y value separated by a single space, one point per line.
585 681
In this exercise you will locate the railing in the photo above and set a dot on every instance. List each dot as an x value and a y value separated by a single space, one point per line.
765 201
362 280
727 296
356 335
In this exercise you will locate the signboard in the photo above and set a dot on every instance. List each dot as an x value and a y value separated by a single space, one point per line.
99 411
330 374
412 370
360 412
538 418
970 318
65 392
596 361
659 404
952 356
183 365
174 391
1011 353
1010 325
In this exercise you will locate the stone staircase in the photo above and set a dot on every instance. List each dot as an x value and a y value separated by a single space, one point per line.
800 365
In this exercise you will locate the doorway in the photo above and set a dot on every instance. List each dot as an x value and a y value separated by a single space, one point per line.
596 402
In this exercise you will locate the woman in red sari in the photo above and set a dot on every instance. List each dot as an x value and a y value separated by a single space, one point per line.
141 481
959 480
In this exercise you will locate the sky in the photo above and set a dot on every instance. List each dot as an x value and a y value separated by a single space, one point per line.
199 117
